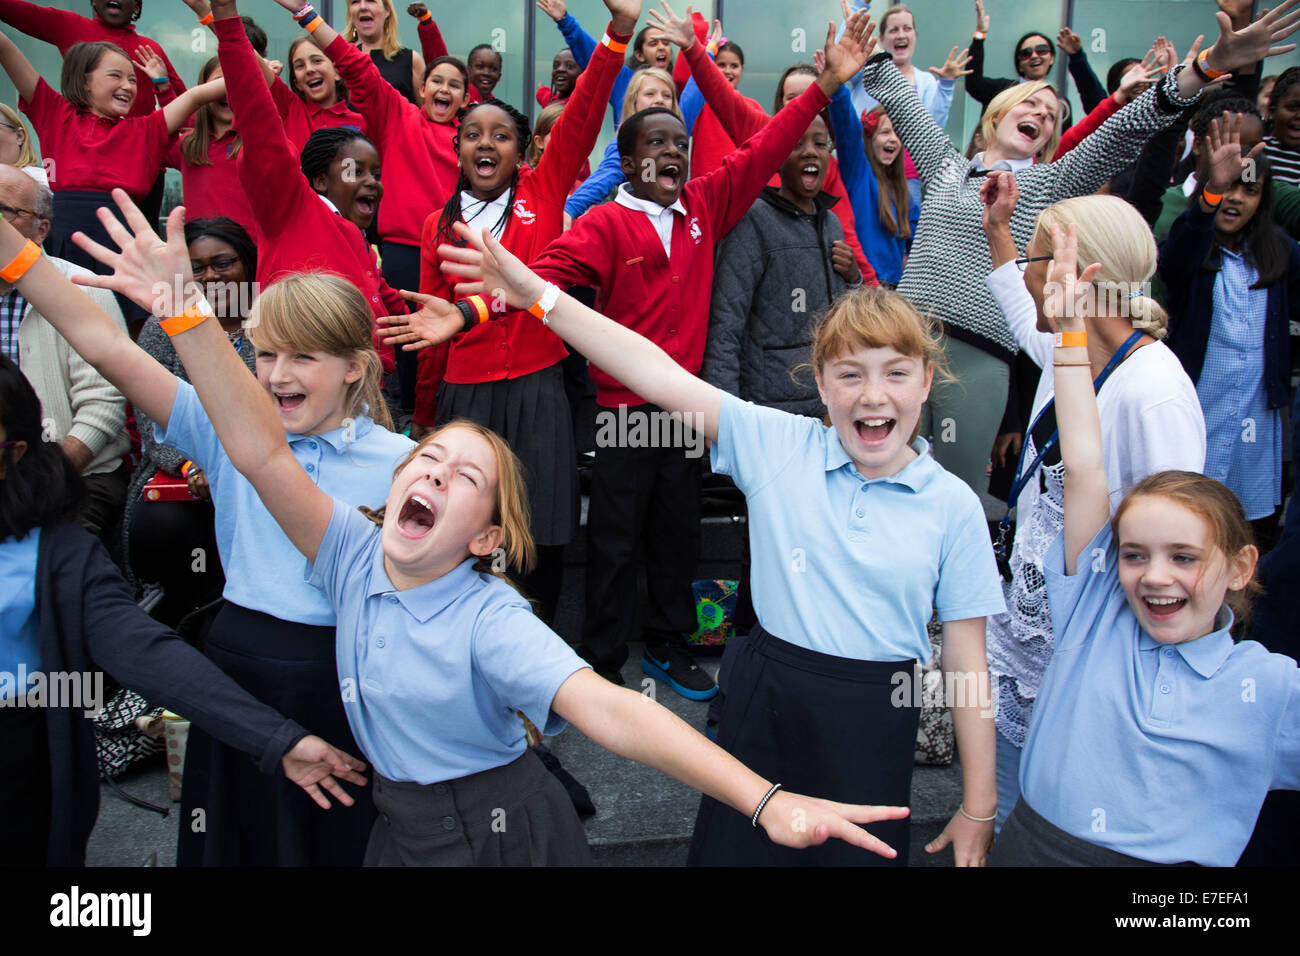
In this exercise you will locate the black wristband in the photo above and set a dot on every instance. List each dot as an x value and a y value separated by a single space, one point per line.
467 310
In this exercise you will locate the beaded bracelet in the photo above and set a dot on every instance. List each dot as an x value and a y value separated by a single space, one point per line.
305 12
17 267
753 821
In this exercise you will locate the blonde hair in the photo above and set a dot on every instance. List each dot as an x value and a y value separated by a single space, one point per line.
1113 233
26 152
388 41
323 312
1013 96
545 123
510 512
638 80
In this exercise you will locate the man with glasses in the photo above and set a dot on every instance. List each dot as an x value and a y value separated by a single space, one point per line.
81 410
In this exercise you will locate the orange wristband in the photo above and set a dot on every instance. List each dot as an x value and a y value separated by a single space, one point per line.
427 17
316 21
19 264
614 45
205 20
1211 199
1212 74
1071 340
194 315
480 306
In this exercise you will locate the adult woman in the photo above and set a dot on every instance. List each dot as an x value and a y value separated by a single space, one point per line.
16 145
372 26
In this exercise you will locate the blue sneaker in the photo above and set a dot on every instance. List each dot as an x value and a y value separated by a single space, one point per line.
675 667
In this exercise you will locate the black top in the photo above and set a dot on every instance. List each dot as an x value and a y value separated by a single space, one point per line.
396 71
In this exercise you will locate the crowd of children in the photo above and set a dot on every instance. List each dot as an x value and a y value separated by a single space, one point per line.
352 366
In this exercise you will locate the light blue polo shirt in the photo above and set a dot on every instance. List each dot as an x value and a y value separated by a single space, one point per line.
847 565
264 571
20 633
432 676
1163 752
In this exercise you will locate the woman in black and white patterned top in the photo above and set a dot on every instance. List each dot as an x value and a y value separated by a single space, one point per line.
945 272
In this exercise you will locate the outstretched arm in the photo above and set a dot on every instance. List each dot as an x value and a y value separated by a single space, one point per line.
635 361
179 110
20 69
240 410
628 724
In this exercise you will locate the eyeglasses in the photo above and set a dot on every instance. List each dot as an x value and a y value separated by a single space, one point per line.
10 213
1025 52
1023 262
220 265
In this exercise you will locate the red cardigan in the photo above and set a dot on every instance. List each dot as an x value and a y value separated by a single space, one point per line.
1073 136
302 118
740 118
617 251
85 151
299 233
517 344
419 162
213 190
65 29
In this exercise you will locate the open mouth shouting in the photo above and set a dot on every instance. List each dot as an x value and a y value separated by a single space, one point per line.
874 431
365 202
888 151
1029 130
670 176
315 84
289 402
417 517
809 176
485 164
1163 608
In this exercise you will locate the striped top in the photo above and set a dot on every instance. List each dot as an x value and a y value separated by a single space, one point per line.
950 257
1284 162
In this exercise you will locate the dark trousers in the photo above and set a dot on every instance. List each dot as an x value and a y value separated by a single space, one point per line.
401 269
105 501
25 792
643 501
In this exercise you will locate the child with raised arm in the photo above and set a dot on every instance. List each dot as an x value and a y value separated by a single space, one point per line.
1174 714
439 656
857 537
650 256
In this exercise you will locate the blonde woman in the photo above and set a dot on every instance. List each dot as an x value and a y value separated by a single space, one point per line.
372 26
16 146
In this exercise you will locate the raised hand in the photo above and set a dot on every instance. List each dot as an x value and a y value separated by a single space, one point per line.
313 764
200 7
624 13
999 193
846 57
679 30
149 61
716 39
555 9
1137 78
435 322
1238 48
1226 162
293 6
1069 295
981 18
490 269
151 273
819 61
418 10
796 821
1069 41
954 66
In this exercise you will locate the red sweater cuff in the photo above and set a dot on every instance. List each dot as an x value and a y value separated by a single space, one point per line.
617 37
228 28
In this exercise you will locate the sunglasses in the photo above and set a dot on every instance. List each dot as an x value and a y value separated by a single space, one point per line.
1025 52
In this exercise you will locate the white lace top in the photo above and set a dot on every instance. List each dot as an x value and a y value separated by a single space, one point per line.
1150 421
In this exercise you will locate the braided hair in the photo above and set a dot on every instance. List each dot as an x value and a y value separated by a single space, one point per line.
451 211
323 146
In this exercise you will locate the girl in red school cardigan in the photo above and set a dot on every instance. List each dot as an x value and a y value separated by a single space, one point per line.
507 375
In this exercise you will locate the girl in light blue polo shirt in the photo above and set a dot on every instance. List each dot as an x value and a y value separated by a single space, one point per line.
1154 738
858 538
439 656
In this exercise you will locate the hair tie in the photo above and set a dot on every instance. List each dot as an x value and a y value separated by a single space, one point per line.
1135 294
870 121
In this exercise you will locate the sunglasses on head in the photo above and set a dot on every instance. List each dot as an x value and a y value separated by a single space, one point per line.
1025 52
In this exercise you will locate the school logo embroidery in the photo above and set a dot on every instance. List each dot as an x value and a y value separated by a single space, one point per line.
526 215
696 234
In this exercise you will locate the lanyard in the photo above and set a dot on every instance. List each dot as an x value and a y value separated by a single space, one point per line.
1023 474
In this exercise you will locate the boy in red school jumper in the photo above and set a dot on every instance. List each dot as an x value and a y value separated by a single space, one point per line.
114 22
649 255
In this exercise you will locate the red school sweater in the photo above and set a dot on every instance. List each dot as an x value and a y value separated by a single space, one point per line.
65 29
85 151
302 118
213 189
419 163
617 251
517 344
740 118
299 233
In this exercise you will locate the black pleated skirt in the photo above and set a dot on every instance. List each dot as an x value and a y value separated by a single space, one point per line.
248 818
515 815
532 414
1027 839
822 726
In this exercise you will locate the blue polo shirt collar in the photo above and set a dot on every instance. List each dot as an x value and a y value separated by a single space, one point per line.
427 600
1205 655
339 438
916 474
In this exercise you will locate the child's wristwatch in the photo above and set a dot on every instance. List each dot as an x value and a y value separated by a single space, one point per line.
542 307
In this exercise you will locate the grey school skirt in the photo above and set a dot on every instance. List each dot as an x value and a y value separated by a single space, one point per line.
532 414
1028 839
516 815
